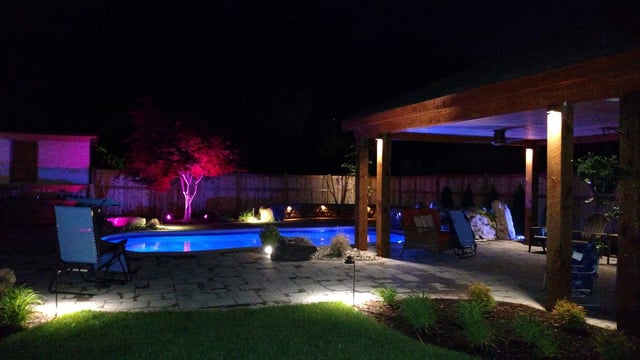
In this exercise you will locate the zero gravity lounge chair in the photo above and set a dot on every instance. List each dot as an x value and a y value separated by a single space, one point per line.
78 249
463 234
584 268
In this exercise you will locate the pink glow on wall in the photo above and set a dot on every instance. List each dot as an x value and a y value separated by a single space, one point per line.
63 154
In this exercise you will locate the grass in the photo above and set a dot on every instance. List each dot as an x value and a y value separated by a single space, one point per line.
312 331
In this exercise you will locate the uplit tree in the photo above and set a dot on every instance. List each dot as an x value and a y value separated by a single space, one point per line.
165 149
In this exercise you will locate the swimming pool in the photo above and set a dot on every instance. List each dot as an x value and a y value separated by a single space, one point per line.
204 240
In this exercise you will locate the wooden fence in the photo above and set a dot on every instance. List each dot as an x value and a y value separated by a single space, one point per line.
229 195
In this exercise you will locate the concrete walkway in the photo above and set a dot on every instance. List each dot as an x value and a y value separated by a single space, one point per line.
222 279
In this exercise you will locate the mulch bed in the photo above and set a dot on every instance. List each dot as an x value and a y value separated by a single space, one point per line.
576 344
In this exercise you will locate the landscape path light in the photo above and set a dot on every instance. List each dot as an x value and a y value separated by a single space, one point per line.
351 260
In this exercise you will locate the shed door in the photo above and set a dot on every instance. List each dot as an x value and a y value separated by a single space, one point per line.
24 164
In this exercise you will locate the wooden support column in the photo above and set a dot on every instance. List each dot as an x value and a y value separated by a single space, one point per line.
362 194
383 196
559 203
628 269
531 192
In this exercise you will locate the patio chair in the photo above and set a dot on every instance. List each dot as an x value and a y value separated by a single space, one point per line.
78 250
463 235
593 229
584 268
538 237
422 229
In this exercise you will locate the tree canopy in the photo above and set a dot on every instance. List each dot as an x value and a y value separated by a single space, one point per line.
166 147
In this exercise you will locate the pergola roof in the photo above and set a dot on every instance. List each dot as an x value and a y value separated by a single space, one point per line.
515 93
589 90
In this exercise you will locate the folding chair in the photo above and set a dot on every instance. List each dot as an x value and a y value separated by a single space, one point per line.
584 268
585 262
466 243
78 250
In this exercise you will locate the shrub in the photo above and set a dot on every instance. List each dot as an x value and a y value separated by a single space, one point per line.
389 295
475 326
339 245
481 294
270 235
569 315
420 311
246 216
467 197
446 197
601 172
16 306
534 332
614 345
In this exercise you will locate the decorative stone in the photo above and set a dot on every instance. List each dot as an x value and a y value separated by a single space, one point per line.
504 221
7 279
293 249
266 215
483 227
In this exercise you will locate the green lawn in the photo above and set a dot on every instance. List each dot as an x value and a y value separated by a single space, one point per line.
313 331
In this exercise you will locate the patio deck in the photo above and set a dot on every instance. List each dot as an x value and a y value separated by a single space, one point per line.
222 279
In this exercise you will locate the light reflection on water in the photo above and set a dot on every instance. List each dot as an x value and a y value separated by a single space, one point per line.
203 240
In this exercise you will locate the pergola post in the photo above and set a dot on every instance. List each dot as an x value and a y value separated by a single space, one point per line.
362 193
383 196
531 192
628 269
559 203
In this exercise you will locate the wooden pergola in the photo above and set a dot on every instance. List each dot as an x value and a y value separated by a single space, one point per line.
557 106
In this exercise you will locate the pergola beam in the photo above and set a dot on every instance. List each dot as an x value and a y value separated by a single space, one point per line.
601 78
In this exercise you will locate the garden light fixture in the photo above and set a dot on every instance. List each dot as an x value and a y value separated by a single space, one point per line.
351 260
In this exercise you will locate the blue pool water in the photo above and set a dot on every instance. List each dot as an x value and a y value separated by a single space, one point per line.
203 240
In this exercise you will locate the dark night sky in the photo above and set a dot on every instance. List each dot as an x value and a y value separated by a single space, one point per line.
270 75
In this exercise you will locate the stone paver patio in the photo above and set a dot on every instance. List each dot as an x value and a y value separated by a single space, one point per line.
221 279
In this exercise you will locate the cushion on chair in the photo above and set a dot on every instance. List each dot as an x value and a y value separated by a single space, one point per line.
424 221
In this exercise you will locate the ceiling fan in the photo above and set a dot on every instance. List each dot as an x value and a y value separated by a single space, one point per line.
500 137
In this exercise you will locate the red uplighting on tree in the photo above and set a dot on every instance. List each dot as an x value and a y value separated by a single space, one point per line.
164 148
